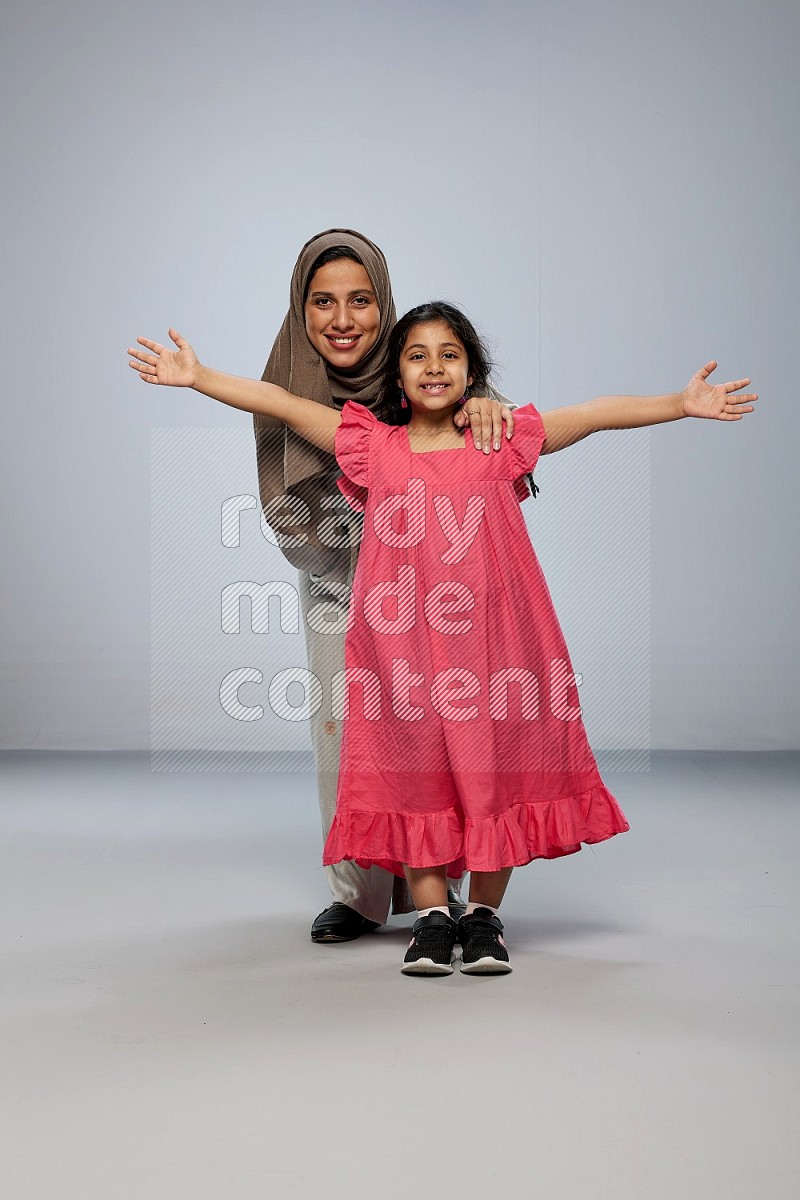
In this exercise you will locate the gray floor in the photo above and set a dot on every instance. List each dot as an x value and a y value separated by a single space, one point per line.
170 1031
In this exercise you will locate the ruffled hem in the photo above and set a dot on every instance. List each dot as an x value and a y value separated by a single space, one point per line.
527 442
525 831
354 493
352 445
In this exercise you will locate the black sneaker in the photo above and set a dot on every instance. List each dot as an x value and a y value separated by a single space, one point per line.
483 951
430 951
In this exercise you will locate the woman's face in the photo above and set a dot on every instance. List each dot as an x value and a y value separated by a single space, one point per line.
342 315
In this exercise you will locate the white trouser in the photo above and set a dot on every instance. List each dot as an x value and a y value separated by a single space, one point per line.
325 599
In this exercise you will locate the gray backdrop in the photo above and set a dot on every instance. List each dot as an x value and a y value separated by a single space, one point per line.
609 189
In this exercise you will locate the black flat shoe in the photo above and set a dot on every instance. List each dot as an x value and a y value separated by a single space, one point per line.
340 923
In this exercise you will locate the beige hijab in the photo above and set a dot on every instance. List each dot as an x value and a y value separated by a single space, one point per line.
288 466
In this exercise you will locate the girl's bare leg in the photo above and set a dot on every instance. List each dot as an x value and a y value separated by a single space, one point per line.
430 951
428 886
488 887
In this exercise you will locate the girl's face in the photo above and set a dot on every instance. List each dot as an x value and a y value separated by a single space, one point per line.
434 367
342 315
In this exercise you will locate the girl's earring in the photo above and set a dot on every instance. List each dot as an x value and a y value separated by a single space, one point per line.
403 401
463 400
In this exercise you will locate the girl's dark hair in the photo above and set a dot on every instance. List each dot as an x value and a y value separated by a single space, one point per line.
480 365
329 255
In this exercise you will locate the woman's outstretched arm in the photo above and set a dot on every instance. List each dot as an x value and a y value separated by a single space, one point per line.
182 368
565 426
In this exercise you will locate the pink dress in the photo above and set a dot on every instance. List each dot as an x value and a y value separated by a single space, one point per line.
463 742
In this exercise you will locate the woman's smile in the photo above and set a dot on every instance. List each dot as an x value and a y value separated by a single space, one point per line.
341 344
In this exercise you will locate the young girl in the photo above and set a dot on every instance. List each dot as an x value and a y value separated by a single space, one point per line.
463 743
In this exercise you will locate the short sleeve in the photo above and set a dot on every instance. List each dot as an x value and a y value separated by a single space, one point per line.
526 441
352 449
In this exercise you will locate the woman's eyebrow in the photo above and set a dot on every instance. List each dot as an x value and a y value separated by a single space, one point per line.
355 292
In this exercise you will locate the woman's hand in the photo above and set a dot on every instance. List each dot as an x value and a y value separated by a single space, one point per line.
486 418
702 399
175 368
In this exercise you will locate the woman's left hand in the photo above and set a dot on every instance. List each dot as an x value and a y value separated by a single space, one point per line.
486 419
702 399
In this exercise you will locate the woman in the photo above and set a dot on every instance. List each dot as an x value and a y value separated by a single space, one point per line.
332 348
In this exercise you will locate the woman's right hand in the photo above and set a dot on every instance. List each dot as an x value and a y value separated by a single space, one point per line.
174 368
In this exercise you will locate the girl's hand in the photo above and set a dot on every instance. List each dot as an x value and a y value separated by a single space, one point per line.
486 418
702 399
175 368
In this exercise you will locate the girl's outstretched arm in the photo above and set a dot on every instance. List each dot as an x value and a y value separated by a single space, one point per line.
182 368
565 426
